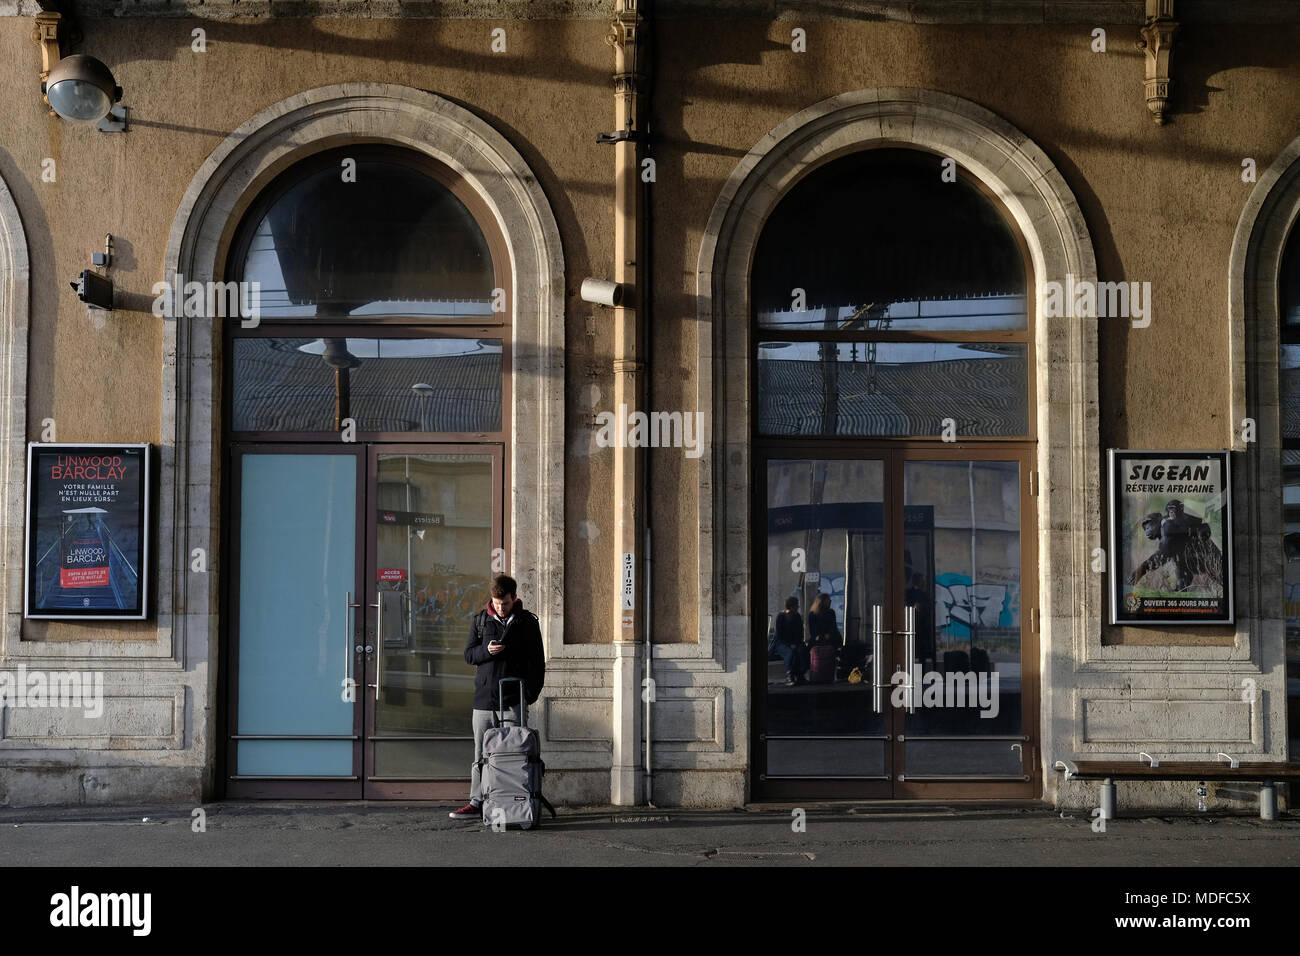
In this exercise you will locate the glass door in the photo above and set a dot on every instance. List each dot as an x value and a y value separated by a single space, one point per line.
822 708
433 523
357 572
897 658
294 724
964 729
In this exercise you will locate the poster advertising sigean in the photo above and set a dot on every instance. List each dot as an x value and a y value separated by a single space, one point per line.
1171 537
87 531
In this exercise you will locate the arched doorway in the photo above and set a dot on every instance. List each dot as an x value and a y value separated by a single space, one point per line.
193 477
894 454
1264 300
997 159
366 423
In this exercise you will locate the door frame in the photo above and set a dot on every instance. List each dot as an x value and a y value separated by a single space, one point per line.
894 454
421 788
357 786
263 786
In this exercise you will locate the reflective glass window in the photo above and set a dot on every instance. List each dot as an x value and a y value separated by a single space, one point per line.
389 239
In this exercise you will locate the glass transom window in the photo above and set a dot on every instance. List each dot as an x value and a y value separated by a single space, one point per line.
889 299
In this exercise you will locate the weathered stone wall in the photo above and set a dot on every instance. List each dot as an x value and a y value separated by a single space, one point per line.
1161 204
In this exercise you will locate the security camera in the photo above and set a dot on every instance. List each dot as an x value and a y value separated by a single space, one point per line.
601 292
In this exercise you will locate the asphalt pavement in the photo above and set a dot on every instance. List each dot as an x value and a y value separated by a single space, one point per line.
254 834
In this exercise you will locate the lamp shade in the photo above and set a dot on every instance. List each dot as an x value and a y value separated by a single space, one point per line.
81 88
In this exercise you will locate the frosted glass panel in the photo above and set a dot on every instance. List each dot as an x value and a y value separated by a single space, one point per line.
296 565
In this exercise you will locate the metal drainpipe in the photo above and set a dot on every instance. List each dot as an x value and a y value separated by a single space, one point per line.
647 320
649 652
629 37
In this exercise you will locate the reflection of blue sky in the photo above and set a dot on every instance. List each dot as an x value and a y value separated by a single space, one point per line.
901 353
974 315
409 348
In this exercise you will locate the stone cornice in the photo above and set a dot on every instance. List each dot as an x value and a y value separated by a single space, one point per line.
1092 12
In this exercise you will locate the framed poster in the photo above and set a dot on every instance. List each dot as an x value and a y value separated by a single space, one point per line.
1170 537
87 531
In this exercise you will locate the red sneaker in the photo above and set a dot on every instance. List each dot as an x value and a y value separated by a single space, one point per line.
467 812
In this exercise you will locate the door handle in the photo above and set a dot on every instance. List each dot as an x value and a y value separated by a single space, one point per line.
876 631
379 644
909 653
347 645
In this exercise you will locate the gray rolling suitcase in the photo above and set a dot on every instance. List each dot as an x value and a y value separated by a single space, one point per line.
511 768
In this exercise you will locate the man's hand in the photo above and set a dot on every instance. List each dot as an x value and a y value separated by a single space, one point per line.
495 648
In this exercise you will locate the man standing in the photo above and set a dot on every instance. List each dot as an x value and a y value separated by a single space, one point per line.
504 641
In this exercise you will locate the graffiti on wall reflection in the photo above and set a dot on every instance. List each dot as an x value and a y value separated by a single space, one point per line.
958 603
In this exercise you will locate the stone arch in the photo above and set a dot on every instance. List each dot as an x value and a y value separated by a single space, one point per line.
1048 216
15 302
1254 309
189 489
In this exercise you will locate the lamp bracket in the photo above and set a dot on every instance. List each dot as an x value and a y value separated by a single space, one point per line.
115 121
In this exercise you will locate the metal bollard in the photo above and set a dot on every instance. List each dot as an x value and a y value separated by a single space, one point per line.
1268 801
1108 799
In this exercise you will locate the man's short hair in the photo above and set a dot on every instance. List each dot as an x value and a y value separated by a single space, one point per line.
504 586
791 603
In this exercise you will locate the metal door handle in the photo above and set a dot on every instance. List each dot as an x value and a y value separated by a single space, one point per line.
347 646
379 643
876 616
909 653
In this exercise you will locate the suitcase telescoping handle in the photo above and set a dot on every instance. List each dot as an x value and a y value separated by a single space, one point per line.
501 699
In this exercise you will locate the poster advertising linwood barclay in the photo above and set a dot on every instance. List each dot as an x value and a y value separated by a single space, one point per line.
1170 537
87 531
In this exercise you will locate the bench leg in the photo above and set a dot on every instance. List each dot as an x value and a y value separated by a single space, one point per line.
1268 801
1108 799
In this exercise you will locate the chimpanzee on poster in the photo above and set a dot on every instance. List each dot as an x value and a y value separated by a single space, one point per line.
1170 537
1185 540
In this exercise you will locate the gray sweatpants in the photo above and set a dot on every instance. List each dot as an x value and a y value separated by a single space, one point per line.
483 719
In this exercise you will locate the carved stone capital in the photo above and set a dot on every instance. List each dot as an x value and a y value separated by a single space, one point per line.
47 35
623 28
629 41
1157 41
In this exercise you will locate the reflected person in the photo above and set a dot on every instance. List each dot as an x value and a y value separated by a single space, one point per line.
789 643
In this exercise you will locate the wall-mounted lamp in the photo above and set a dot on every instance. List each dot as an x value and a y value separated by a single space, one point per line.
82 89
79 87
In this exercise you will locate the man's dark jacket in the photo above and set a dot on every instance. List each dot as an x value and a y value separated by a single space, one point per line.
521 655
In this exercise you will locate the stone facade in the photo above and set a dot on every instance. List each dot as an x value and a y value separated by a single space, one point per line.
1059 134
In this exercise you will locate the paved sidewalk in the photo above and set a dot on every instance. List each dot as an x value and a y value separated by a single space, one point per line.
359 834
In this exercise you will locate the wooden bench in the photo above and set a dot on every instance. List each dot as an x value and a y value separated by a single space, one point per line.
1146 767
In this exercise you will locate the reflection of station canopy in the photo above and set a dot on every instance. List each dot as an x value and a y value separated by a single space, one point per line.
880 226
882 398
287 384
395 239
